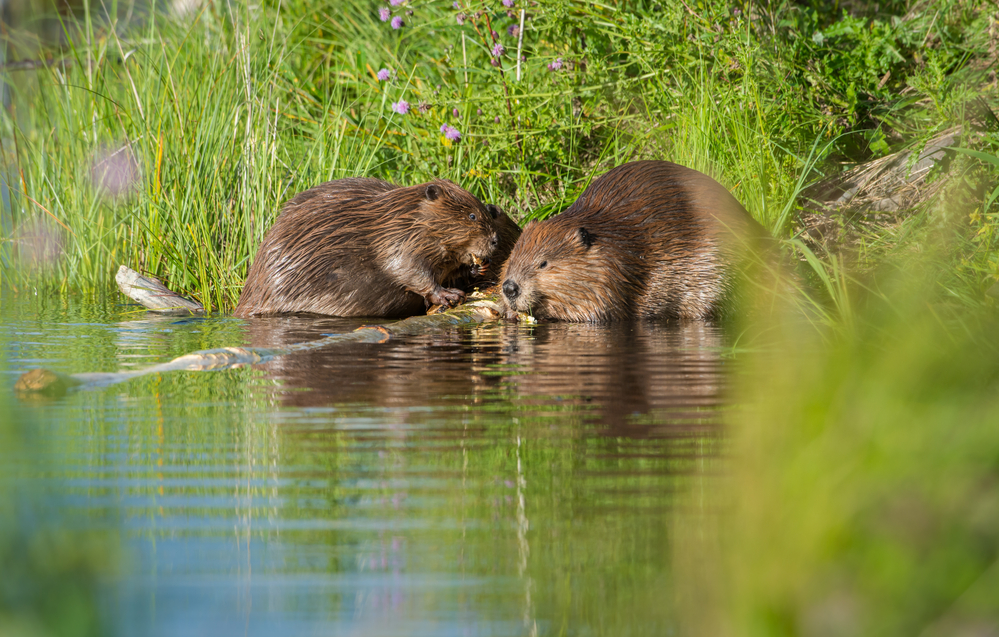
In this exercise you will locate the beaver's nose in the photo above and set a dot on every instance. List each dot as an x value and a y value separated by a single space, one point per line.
511 289
494 241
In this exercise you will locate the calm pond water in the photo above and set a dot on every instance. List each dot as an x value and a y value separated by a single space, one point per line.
503 480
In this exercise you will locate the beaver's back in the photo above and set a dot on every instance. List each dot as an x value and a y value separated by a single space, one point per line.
687 228
365 247
316 240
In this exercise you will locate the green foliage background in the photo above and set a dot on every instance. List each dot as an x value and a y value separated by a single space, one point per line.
218 115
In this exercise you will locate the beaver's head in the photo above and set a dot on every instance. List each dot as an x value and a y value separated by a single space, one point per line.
564 271
464 230
508 232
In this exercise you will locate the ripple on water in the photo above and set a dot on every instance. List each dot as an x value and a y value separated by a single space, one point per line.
491 481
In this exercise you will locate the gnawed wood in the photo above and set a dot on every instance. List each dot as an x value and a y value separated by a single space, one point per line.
480 308
888 185
152 294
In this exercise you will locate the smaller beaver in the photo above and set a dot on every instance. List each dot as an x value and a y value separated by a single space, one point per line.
649 239
365 247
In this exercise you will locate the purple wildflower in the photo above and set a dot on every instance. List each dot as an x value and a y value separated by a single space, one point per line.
397 23
494 62
556 65
444 128
410 12
507 3
497 119
478 111
384 14
513 29
401 107
495 35
460 18
423 107
452 133
455 112
498 50
384 74
396 3
456 5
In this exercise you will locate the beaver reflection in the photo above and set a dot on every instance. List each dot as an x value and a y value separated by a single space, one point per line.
634 378
432 370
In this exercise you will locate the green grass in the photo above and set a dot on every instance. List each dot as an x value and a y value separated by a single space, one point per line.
221 116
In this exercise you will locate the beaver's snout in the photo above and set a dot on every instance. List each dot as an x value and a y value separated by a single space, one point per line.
494 241
510 289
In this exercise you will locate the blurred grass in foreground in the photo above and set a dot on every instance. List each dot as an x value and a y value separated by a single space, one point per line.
864 498
51 569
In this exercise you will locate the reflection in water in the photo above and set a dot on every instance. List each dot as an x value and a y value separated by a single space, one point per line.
503 480
638 379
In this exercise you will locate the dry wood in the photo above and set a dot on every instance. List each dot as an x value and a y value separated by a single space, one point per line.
152 294
887 185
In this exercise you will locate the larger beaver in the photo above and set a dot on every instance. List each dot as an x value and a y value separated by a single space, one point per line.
648 239
365 247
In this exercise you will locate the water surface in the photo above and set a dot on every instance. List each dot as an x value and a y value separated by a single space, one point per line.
501 480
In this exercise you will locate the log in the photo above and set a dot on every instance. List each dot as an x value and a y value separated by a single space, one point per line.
42 382
152 294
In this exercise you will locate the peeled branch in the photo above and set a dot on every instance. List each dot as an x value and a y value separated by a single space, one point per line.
479 308
152 294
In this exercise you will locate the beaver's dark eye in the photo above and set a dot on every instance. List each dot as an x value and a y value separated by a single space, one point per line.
472 216
542 265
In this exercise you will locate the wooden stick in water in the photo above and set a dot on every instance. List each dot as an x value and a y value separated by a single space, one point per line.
156 297
152 294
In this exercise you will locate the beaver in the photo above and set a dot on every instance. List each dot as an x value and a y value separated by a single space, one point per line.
508 232
648 239
365 247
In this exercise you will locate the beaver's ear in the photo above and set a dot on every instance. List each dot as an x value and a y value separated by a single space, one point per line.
433 192
493 210
586 238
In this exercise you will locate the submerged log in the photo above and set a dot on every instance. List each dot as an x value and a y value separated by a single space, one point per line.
153 295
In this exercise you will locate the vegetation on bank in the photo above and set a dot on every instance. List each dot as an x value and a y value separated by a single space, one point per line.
167 139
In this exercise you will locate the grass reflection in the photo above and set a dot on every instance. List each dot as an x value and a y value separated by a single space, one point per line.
55 562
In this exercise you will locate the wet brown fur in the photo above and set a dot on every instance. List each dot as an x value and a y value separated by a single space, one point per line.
365 247
648 239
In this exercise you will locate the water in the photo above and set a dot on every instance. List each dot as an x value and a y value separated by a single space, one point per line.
503 480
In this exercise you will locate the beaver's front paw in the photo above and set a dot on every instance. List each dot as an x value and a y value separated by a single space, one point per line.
447 297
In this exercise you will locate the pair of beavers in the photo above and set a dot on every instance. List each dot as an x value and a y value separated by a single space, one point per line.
649 239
